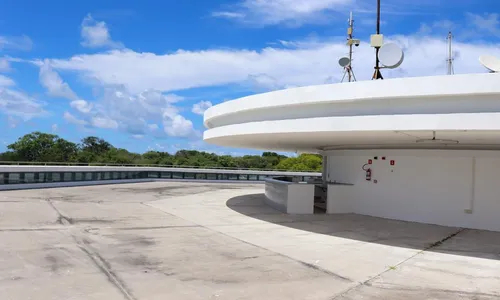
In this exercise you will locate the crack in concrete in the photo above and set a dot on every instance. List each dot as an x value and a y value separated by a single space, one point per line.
61 219
95 257
105 268
431 246
434 290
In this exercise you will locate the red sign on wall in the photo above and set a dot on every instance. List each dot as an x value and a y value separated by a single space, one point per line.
393 163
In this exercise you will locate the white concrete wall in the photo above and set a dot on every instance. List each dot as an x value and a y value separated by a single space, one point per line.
289 197
453 188
300 199
276 194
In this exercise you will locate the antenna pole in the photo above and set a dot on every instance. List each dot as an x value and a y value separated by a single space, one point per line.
377 74
350 42
450 54
350 31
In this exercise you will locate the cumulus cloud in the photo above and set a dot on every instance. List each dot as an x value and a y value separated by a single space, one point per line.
82 106
6 81
73 119
200 107
54 84
95 34
178 126
103 122
19 104
136 114
305 64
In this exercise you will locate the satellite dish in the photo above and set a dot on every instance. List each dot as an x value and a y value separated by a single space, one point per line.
344 62
490 62
391 56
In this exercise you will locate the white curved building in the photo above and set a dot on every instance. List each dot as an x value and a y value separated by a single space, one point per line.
419 149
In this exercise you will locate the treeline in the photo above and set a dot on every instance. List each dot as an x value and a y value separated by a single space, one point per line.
43 147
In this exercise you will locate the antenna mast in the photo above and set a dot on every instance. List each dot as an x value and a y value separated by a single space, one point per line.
349 34
450 54
350 42
377 44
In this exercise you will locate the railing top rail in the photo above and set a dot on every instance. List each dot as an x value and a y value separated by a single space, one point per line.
32 163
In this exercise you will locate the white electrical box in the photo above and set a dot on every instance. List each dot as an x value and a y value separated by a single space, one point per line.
376 40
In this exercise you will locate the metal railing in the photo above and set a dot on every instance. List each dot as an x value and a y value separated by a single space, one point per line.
34 163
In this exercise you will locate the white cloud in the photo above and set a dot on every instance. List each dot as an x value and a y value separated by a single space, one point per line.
178 126
54 84
18 104
309 63
22 43
4 65
136 114
95 34
6 81
54 128
103 122
74 120
488 23
200 107
295 12
82 106
228 15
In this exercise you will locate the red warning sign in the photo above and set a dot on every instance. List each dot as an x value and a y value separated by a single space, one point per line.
393 162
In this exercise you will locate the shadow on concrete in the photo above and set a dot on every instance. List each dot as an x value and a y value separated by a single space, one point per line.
428 237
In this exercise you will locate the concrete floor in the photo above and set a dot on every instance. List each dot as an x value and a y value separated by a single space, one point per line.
219 241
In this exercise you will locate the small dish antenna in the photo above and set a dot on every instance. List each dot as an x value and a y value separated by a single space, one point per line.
344 62
391 56
490 62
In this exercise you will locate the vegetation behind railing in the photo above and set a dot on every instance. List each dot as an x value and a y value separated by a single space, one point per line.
37 163
39 148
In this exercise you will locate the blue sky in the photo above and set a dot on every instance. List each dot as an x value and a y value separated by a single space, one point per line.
140 73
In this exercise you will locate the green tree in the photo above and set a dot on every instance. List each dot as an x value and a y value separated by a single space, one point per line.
95 145
304 162
38 146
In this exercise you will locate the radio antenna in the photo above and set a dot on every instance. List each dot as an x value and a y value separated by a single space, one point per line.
346 62
450 54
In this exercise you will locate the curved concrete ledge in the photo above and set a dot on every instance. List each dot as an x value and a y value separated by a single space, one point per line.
392 112
416 95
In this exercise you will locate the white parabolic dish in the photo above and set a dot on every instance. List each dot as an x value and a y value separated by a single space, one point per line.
391 55
490 62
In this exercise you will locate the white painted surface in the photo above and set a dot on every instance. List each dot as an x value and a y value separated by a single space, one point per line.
289 197
300 198
436 187
390 113
276 194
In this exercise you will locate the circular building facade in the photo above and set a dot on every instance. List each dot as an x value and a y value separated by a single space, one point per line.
419 149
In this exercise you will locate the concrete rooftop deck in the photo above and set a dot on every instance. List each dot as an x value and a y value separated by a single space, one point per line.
175 240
